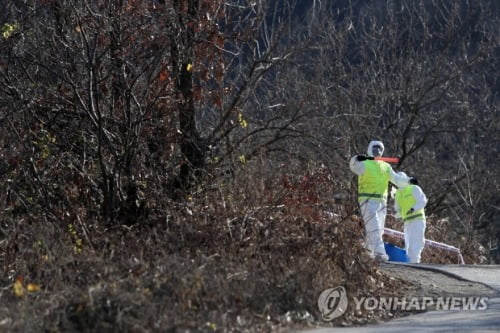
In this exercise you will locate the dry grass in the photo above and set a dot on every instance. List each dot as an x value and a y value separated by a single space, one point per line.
249 254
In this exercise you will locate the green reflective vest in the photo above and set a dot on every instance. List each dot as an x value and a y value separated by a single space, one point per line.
374 182
405 199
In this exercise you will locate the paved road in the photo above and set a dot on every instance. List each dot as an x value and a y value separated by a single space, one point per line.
486 274
445 321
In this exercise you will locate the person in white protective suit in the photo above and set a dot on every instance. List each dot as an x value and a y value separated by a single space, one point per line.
409 203
373 183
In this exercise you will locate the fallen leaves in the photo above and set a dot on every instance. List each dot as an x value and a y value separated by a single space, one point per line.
20 290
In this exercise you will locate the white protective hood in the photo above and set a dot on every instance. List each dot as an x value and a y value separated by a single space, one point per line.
375 143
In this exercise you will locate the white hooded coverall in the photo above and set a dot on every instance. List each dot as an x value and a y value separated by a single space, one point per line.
373 203
414 221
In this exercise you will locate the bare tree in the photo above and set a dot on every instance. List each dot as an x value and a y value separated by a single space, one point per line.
121 99
112 85
415 74
122 96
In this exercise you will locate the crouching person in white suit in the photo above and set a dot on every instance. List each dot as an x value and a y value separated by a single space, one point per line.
409 203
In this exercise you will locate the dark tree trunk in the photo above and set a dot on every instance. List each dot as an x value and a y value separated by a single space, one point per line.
192 146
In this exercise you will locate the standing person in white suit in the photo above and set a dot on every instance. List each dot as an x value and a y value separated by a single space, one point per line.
373 183
409 203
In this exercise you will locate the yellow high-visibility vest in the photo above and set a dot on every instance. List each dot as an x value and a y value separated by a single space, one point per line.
374 182
405 200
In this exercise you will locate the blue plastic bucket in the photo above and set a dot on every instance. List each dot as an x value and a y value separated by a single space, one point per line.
396 253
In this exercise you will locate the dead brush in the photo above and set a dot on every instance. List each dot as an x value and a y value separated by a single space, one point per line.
251 254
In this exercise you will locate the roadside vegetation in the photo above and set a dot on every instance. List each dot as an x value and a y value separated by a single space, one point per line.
182 165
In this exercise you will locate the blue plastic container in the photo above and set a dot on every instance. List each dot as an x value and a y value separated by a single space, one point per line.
396 253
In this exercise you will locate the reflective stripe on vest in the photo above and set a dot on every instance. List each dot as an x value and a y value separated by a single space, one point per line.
414 216
370 195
